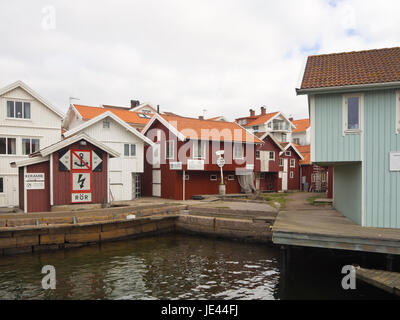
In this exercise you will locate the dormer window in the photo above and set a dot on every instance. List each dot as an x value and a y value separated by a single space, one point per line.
106 124
18 110
255 128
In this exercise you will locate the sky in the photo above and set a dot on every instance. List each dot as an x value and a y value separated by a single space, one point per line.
222 56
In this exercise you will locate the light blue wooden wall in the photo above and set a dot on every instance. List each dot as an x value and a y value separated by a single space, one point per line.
330 144
382 187
348 190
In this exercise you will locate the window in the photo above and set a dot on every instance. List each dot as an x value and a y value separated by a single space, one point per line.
187 177
106 124
288 153
1 185
352 113
269 124
231 177
144 116
271 155
237 151
30 146
284 137
129 150
258 154
8 146
291 174
213 177
169 149
199 149
296 140
18 109
255 128
292 163
280 162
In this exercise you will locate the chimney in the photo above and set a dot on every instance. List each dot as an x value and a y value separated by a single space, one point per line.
158 108
263 111
134 103
201 117
291 118
252 113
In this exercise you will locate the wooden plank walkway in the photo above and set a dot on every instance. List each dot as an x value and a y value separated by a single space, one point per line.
385 280
327 228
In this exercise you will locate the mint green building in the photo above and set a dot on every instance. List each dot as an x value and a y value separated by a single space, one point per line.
354 105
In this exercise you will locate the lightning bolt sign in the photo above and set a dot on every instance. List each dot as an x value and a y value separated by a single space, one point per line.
81 181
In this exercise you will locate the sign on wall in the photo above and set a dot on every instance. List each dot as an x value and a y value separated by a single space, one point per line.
394 161
81 175
34 181
195 164
175 165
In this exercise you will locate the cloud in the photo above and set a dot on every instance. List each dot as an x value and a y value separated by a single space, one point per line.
186 56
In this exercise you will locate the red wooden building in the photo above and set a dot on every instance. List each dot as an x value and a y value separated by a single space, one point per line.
183 162
267 163
71 171
289 167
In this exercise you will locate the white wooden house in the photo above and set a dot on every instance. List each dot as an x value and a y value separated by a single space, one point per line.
27 123
125 171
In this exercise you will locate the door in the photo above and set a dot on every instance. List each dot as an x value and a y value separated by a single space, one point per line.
264 161
258 181
285 175
8 191
156 183
136 186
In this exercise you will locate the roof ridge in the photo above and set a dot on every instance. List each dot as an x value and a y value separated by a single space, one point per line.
351 52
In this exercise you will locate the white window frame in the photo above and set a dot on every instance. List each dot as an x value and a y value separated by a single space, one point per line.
281 162
23 110
231 177
345 129
203 144
288 153
273 155
397 125
296 139
291 175
235 145
106 124
16 146
256 128
284 139
294 163
187 177
258 157
167 144
130 150
4 183
212 177
30 145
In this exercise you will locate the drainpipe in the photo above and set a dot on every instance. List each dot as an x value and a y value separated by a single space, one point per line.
183 185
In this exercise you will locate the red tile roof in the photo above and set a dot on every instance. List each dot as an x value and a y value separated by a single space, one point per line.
301 125
305 152
193 128
88 112
352 68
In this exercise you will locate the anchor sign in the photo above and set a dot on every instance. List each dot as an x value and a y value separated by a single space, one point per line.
81 160
81 176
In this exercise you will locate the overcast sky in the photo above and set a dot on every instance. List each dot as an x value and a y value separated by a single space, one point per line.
185 55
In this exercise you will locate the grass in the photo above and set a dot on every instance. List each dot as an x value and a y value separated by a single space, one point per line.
311 199
273 198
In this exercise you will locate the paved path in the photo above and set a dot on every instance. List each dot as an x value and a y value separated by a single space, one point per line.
298 201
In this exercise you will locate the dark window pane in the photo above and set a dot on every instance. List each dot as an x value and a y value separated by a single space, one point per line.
26 146
18 109
35 145
1 185
10 109
11 146
133 150
352 113
126 150
3 146
27 110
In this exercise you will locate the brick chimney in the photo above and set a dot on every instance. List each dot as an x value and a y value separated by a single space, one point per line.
263 111
252 113
291 119
134 103
201 118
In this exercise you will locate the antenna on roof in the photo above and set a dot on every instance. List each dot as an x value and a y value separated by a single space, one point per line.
72 98
204 113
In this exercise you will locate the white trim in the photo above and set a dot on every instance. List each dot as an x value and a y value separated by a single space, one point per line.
397 124
345 98
25 194
29 161
312 124
142 106
213 175
294 163
268 134
169 126
51 181
283 115
203 148
108 178
234 156
294 148
34 94
101 117
291 175
269 154
249 132
362 148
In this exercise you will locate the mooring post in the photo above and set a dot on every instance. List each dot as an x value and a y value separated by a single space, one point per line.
389 262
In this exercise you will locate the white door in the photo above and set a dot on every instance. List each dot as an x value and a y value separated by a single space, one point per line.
264 160
257 182
156 183
8 191
285 175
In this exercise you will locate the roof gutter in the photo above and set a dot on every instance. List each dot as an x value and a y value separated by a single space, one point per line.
362 87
